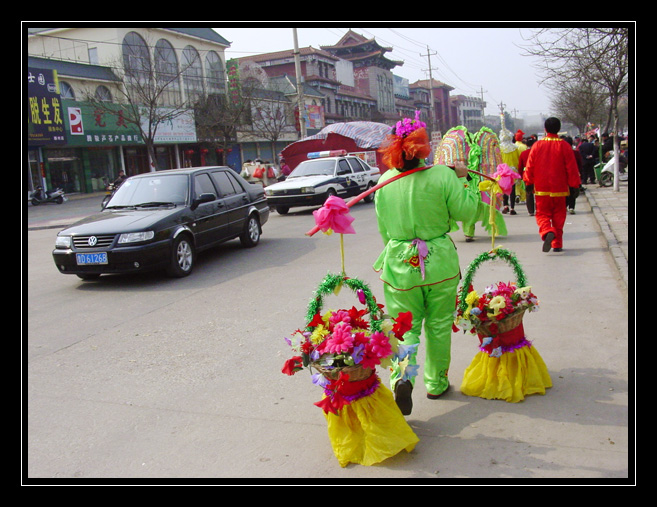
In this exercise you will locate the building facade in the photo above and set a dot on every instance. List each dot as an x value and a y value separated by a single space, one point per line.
73 71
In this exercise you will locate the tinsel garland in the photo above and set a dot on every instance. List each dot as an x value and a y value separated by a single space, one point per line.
499 253
331 284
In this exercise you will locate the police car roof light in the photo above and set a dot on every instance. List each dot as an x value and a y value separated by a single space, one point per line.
322 154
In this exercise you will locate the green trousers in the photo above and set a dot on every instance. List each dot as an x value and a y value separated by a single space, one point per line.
432 306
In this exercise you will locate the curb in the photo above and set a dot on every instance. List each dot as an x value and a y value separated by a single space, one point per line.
617 253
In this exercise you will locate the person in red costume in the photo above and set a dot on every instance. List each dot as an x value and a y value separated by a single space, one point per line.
552 170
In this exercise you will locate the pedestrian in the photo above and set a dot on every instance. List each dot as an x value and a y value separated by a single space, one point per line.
419 264
570 200
510 156
589 155
521 143
552 169
529 189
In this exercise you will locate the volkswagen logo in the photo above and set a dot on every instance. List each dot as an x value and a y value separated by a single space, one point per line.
92 240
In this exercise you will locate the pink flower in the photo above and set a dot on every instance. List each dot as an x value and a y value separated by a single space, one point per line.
505 177
379 345
341 340
334 216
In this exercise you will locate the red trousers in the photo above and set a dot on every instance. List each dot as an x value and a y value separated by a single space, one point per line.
551 217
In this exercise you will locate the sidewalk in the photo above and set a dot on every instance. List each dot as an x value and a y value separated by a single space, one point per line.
611 210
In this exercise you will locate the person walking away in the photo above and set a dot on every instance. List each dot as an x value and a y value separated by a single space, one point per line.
419 265
529 189
552 169
570 200
589 154
510 156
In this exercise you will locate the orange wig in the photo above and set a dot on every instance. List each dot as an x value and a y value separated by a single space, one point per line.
396 148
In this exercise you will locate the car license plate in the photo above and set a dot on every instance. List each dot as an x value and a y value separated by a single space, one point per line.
91 258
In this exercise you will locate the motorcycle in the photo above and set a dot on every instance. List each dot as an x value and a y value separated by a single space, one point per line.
39 196
606 178
110 189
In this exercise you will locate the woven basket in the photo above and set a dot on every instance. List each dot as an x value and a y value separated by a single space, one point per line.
355 373
513 320
506 324
328 286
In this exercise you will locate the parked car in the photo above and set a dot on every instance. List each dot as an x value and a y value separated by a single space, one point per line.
161 220
314 180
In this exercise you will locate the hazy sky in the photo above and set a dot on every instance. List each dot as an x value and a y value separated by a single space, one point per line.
470 59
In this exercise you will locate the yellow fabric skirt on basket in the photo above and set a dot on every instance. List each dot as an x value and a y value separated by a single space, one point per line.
370 430
510 377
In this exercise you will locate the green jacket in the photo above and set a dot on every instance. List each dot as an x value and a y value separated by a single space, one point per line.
422 206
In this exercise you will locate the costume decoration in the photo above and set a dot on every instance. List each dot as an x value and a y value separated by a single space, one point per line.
409 140
344 347
481 153
507 366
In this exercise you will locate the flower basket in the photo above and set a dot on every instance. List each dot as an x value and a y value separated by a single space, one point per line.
507 366
500 308
344 347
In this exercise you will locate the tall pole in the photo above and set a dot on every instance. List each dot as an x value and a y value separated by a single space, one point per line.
433 109
297 70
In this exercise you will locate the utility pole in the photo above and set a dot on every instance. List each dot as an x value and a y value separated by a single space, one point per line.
433 109
297 70
483 107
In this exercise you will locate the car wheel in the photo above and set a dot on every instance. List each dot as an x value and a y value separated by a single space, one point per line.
282 210
370 197
251 235
182 257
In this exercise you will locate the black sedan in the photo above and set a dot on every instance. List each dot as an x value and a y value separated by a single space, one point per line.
160 220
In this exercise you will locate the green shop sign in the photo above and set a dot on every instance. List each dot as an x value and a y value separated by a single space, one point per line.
87 125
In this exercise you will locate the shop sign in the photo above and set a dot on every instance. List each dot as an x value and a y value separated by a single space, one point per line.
179 129
88 125
45 118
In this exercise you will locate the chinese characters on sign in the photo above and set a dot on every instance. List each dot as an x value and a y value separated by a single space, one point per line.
45 118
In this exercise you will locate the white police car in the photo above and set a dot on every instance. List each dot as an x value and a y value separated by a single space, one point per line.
321 176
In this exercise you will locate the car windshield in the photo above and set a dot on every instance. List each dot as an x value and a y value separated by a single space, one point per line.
314 167
155 190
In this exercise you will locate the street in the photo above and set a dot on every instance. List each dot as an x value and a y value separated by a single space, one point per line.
146 377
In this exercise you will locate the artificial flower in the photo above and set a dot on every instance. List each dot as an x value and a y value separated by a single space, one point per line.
334 216
348 338
292 365
403 324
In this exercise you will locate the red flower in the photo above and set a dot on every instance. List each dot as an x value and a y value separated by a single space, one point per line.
317 320
292 366
356 317
403 323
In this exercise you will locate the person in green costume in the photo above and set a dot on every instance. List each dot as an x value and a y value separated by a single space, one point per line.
419 264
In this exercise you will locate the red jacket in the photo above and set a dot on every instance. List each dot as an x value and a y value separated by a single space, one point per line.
551 167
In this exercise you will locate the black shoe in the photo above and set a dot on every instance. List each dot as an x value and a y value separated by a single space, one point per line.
513 212
557 250
436 396
403 390
547 242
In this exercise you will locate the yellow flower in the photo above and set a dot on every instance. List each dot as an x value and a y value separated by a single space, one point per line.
472 298
319 334
496 304
524 291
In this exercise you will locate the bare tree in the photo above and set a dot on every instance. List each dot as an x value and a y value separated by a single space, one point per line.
580 55
150 93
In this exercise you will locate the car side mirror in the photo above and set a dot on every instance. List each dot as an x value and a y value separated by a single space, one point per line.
209 197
